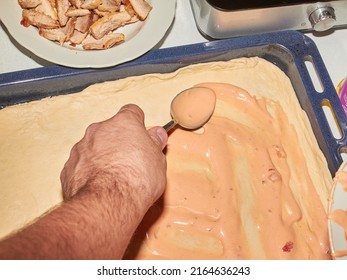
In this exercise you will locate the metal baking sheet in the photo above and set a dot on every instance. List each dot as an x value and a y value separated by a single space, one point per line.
288 50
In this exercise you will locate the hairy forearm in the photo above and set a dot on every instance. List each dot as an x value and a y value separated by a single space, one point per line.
97 223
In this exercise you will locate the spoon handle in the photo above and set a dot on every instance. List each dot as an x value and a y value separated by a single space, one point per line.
170 125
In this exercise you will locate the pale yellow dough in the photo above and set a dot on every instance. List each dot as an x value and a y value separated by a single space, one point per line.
36 138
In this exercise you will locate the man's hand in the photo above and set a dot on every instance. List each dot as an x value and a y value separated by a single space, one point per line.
119 152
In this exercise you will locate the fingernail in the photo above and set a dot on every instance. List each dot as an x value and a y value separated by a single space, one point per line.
162 134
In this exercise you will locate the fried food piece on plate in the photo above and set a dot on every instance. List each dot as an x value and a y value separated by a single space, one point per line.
83 23
32 17
77 12
76 3
62 7
69 28
110 6
100 13
105 42
56 34
60 35
77 37
90 4
141 7
109 23
48 8
28 4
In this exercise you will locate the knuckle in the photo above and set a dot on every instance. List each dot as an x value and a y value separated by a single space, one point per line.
133 110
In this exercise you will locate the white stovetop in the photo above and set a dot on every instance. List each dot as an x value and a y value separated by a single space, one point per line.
332 46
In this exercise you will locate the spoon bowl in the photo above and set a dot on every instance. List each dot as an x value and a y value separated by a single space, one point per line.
192 108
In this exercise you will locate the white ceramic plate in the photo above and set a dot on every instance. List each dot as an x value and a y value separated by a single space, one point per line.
140 38
338 201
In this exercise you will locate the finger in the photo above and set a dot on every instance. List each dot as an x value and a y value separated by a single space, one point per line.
132 111
159 136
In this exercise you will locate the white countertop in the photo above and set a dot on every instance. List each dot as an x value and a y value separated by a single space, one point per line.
332 45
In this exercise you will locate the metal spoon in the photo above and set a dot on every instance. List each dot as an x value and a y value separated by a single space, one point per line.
192 108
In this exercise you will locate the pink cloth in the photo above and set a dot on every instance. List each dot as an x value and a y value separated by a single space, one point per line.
342 91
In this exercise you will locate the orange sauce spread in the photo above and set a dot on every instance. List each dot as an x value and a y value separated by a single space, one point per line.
230 189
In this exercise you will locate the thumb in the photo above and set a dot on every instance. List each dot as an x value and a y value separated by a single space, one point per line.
159 136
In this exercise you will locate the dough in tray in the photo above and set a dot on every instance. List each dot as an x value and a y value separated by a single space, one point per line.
252 184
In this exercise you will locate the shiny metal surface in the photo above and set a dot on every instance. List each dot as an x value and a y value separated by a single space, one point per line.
323 18
218 24
170 125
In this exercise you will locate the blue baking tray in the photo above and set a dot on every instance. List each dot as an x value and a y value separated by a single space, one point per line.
289 50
